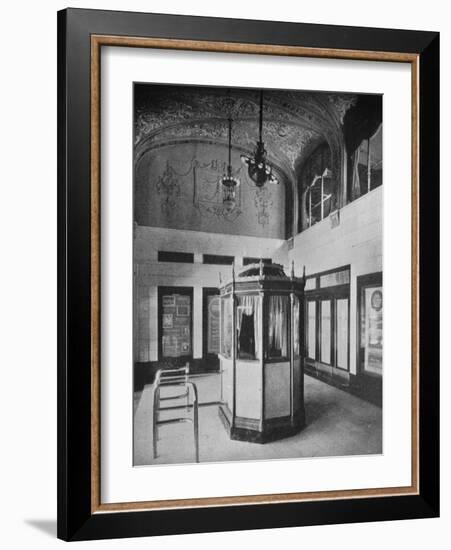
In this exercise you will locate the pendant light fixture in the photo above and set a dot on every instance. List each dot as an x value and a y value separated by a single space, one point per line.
259 170
229 182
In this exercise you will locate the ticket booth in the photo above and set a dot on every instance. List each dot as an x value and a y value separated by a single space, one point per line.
261 355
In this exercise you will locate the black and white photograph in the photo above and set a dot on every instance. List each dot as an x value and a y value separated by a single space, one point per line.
257 274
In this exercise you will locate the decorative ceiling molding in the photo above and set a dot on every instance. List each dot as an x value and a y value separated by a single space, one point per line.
283 141
341 104
294 122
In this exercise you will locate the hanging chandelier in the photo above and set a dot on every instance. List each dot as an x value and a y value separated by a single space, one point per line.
229 182
259 170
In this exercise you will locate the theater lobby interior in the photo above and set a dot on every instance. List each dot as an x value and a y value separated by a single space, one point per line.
257 265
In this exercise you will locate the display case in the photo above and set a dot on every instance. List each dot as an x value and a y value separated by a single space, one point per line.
261 356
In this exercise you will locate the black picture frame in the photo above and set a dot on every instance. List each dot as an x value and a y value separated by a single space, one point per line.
76 518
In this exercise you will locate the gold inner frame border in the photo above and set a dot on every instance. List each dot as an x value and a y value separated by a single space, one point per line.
97 41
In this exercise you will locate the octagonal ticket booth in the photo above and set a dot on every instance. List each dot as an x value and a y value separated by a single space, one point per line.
261 356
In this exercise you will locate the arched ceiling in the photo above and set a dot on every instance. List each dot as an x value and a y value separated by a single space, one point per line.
294 122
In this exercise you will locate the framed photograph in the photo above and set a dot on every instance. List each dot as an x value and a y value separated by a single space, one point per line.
183 311
248 274
168 301
167 320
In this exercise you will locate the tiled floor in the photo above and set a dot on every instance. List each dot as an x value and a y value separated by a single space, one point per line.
337 424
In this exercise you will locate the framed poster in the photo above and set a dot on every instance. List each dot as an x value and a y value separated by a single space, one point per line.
285 167
171 314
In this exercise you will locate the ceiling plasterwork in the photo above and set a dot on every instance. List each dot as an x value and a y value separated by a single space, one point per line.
293 121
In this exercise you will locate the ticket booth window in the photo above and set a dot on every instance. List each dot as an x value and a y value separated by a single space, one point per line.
278 323
226 326
248 326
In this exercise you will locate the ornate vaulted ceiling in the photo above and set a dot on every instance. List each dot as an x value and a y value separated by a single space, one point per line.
294 122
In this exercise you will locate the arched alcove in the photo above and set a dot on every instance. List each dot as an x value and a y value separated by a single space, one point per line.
177 186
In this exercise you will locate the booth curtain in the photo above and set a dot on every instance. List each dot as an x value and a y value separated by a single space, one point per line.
296 313
251 305
226 327
278 324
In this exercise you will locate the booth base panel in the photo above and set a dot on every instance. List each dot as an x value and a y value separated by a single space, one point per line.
251 430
